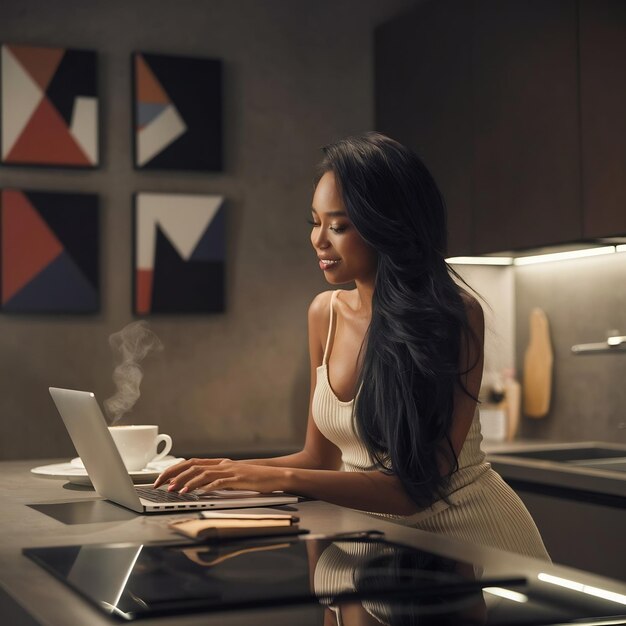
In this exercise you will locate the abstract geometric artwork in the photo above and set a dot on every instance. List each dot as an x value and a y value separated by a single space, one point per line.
179 255
49 106
48 252
177 112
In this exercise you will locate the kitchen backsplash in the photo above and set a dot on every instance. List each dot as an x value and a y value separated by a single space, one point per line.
583 299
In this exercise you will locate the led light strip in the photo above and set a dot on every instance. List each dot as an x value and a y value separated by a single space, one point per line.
607 622
588 589
563 256
480 260
536 258
506 593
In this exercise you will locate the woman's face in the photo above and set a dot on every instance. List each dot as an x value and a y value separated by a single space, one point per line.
342 253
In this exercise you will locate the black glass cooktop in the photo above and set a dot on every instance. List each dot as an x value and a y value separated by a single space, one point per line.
353 578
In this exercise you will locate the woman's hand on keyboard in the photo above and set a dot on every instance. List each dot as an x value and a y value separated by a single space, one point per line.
212 474
174 471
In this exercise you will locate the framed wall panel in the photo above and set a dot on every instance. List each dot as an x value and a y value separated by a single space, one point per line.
49 106
177 105
179 253
48 252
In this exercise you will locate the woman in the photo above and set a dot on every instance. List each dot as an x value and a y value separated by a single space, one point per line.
396 365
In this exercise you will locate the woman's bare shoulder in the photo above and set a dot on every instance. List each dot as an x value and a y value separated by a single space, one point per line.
470 300
319 318
474 310
319 309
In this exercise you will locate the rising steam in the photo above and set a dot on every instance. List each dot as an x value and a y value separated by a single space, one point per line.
131 345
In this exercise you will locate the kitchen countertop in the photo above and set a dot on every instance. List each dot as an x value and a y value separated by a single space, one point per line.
490 446
43 512
556 473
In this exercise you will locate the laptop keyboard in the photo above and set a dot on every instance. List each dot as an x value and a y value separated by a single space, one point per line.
158 495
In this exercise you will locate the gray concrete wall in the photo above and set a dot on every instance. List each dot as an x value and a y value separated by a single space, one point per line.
582 298
298 74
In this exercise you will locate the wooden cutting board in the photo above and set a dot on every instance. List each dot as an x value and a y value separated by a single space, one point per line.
538 362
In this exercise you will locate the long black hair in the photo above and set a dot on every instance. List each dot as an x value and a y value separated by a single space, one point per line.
410 366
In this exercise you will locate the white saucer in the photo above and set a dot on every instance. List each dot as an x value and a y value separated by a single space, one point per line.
74 471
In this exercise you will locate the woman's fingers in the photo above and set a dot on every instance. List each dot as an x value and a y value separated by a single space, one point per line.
181 479
209 478
211 474
170 472
227 474
176 470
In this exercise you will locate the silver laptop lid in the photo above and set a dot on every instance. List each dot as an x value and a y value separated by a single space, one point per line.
88 430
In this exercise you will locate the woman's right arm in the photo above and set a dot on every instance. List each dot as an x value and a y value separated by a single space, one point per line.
318 452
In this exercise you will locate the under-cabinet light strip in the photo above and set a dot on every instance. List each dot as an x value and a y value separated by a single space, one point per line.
480 260
536 258
562 256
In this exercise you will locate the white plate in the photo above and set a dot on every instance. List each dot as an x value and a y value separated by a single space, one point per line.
74 471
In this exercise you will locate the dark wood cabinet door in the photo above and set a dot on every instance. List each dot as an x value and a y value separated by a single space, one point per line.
526 126
423 87
603 116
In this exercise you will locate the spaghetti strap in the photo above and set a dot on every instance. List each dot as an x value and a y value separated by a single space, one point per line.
330 325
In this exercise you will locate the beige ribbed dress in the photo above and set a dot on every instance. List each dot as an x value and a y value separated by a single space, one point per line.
481 507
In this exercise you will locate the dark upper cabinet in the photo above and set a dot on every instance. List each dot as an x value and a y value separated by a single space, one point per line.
603 116
526 139
423 82
517 107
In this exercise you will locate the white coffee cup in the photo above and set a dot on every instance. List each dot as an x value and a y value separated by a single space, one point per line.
138 445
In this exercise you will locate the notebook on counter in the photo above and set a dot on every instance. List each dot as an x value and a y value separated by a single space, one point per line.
215 526
88 430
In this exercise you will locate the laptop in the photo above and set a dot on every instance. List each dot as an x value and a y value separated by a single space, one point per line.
88 430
